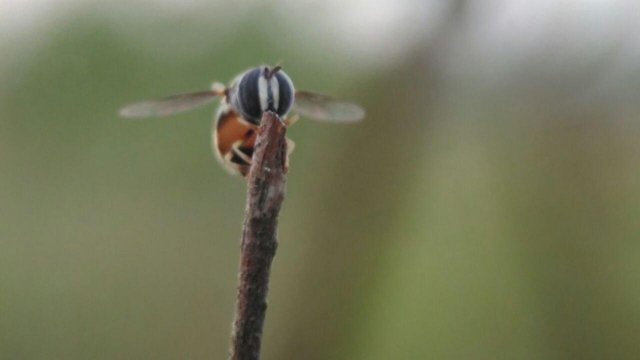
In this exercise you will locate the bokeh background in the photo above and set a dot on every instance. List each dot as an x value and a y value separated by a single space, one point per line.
488 207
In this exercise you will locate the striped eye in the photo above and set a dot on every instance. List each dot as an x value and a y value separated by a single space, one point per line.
261 89
284 96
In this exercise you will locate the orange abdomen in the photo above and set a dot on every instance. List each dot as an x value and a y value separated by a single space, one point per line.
233 140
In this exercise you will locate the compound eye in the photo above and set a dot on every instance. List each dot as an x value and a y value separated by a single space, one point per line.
248 97
283 94
261 89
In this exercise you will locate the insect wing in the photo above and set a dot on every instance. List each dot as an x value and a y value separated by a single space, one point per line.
325 108
168 105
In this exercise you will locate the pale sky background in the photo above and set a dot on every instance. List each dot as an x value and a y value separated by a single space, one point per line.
502 36
379 27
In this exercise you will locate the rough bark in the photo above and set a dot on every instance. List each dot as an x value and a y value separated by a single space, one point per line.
265 192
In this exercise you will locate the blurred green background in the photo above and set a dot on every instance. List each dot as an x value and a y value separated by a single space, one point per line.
487 208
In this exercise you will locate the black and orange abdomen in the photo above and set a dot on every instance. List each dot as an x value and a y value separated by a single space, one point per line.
233 140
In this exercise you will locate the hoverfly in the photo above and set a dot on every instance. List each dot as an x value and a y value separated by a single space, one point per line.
256 90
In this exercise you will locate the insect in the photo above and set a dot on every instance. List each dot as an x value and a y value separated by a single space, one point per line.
256 90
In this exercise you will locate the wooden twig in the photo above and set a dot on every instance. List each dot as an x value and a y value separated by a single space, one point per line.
265 192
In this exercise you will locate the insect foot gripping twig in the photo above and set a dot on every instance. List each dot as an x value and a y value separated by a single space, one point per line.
265 193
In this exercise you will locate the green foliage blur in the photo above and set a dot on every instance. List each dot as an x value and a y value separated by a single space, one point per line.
460 220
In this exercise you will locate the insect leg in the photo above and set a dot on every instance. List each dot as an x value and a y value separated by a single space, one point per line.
290 146
235 149
290 120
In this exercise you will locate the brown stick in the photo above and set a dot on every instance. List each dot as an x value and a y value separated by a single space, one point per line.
265 192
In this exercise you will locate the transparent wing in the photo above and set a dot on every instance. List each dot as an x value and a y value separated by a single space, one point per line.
325 108
168 105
